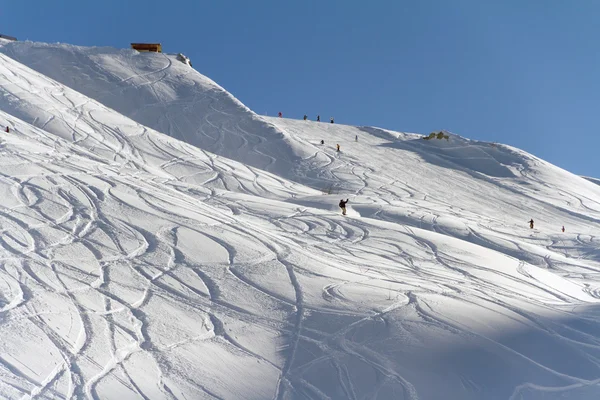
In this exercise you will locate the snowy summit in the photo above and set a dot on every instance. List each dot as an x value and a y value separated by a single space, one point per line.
160 240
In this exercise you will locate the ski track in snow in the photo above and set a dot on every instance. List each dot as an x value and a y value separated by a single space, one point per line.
135 265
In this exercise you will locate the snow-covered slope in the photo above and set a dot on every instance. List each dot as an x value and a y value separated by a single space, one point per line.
135 265
80 120
165 94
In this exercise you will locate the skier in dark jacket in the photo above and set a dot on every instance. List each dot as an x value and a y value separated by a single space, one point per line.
305 117
318 118
343 206
531 223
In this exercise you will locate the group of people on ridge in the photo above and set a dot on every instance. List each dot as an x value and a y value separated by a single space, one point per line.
318 118
280 115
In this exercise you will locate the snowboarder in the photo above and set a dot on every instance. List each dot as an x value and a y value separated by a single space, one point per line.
322 141
338 147
7 129
563 229
331 119
531 223
343 206
318 118
280 114
305 117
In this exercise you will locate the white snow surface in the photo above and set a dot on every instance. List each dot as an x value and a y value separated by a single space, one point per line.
159 240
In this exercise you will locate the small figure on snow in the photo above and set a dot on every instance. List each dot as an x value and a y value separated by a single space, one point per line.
322 141
305 117
356 138
280 114
331 119
318 118
531 223
563 229
343 206
338 147
7 129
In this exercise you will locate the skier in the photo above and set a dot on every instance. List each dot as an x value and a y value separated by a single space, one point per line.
563 229
322 141
305 117
343 206
531 223
7 129
338 147
356 138
331 119
280 114
318 118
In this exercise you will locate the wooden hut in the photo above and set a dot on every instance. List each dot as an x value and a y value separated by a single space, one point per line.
154 47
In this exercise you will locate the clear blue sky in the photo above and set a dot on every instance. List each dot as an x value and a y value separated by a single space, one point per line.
520 72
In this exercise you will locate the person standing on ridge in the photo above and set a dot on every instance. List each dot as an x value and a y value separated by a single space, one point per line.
305 117
531 223
356 138
331 120
343 206
563 229
338 147
318 118
7 129
280 114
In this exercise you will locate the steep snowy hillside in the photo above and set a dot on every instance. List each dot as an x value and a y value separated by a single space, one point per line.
164 94
135 265
74 117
